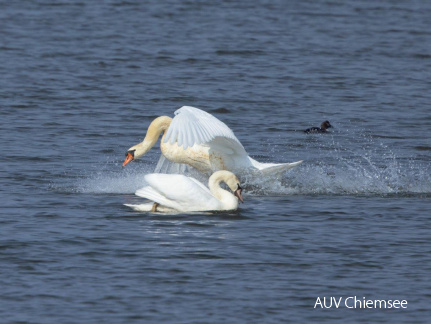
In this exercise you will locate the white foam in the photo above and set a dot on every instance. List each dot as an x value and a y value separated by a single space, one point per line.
351 177
119 181
335 164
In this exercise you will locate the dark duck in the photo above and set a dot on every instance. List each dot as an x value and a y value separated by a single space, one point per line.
322 129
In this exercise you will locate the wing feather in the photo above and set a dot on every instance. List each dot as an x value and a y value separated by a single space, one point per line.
151 194
178 192
194 126
178 187
166 166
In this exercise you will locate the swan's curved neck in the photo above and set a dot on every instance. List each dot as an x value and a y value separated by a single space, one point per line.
158 125
228 200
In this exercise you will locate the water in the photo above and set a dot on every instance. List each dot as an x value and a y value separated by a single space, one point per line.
81 81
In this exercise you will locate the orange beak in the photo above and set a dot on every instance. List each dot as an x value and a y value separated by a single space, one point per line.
129 157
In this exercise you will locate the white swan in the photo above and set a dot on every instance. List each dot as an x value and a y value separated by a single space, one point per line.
196 138
176 192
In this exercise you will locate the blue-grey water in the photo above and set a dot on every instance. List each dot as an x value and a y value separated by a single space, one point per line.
81 80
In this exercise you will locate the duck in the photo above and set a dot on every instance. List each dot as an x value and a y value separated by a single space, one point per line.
323 128
179 193
200 140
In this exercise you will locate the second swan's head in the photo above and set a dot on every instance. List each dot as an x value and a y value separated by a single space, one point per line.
231 180
157 126
238 193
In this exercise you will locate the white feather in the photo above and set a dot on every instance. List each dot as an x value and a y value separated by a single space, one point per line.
192 126
183 193
196 140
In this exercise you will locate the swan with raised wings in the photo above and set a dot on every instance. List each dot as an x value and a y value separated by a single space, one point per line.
178 193
196 138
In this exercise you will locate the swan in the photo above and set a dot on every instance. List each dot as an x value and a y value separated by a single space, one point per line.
196 138
179 193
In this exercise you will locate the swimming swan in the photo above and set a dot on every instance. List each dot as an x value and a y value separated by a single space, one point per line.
176 192
196 138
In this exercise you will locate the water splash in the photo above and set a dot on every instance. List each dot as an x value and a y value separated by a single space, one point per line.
114 180
353 177
357 164
334 164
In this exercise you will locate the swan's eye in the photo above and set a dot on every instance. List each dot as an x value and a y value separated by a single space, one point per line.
239 187
131 152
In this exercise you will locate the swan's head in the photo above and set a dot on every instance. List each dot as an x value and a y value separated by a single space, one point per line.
130 155
233 183
135 152
325 125
238 193
157 126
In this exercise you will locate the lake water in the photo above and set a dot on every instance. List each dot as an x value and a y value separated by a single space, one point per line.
81 81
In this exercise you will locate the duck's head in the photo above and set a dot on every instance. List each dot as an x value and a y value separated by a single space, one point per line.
325 125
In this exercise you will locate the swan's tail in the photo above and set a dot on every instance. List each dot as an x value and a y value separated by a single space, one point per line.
273 168
141 207
151 194
149 207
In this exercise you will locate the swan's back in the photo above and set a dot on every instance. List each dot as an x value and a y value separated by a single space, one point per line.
179 192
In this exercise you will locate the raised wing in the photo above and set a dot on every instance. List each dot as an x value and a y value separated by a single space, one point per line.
227 146
194 126
169 167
